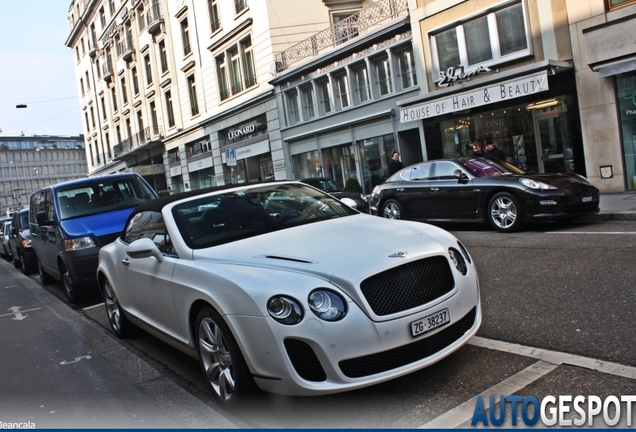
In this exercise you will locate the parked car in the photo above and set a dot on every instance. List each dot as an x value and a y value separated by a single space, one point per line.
270 293
20 243
479 189
331 187
5 235
71 221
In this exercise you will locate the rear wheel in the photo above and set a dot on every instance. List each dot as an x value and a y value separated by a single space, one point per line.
45 278
504 212
116 317
222 362
392 210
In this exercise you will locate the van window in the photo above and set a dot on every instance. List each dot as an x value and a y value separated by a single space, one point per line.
101 195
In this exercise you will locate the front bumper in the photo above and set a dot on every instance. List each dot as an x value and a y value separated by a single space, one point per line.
317 357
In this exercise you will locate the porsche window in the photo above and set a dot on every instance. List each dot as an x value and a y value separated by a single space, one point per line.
486 168
217 219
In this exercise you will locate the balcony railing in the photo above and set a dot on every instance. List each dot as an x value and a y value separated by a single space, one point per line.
107 70
92 46
154 18
349 28
127 48
149 134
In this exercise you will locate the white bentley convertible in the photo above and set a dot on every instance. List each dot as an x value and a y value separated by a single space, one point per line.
281 287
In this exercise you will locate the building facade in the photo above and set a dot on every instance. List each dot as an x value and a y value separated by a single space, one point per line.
28 163
603 33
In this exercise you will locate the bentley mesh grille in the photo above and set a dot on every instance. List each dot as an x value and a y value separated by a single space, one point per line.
408 286
304 360
406 354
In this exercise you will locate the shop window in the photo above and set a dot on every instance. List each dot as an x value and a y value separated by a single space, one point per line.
406 63
342 86
293 112
309 102
489 39
363 89
382 71
615 4
324 91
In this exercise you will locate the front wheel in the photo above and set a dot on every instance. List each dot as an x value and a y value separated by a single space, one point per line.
223 365
70 290
392 210
45 278
504 212
119 324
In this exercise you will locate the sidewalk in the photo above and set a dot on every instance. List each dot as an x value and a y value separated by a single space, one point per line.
61 370
618 206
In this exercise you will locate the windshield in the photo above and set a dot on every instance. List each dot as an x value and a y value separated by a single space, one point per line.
489 168
231 216
326 185
102 195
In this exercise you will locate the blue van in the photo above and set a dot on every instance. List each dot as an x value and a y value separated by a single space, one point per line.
71 221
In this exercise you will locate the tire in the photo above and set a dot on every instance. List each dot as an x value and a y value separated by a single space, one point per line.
391 209
70 290
504 212
45 278
222 362
119 324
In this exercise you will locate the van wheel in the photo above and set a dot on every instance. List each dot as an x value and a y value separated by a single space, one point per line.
45 278
72 295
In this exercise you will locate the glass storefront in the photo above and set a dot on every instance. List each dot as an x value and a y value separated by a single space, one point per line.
375 154
253 169
626 97
535 135
202 179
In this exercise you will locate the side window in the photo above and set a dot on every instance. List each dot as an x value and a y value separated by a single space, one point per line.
149 224
445 171
35 206
420 172
48 205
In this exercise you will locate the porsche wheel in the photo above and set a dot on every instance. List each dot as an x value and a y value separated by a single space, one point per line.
392 210
116 317
504 212
221 360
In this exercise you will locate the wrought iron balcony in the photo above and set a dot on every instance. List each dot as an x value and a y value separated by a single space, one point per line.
250 81
148 135
216 24
127 48
154 18
92 46
107 70
353 26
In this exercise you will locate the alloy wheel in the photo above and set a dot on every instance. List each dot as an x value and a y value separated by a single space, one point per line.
112 308
503 212
391 210
216 359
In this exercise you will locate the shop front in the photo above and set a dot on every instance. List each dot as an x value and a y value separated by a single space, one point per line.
246 152
532 112
626 97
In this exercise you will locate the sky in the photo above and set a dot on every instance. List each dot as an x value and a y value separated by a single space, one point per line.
37 69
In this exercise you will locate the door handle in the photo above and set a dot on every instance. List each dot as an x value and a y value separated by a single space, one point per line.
125 262
400 189
435 189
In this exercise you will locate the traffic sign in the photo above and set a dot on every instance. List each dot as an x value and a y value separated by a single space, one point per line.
230 156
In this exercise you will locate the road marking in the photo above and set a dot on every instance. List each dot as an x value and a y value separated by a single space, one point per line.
98 305
592 232
76 360
556 357
547 362
17 313
464 412
10 286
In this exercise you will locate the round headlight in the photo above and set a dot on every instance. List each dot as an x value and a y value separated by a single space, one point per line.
458 260
327 305
285 310
464 251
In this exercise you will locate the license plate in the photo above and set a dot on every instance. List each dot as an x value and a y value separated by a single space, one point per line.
430 322
586 199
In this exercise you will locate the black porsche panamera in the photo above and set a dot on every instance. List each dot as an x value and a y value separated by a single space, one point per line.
480 190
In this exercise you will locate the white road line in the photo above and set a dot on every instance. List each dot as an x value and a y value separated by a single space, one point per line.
556 357
548 361
465 411
592 232
98 305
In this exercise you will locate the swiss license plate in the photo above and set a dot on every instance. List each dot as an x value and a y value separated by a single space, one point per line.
586 199
430 322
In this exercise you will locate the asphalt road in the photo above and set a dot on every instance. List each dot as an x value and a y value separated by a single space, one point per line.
558 319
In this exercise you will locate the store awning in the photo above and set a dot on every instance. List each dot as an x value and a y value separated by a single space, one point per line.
616 67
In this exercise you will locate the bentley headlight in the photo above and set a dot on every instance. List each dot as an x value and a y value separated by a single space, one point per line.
327 305
79 243
534 184
464 251
285 310
458 261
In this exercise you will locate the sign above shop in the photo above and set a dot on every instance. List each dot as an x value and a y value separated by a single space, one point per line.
503 91
453 74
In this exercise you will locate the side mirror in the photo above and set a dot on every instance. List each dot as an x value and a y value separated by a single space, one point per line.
144 248
349 202
40 217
